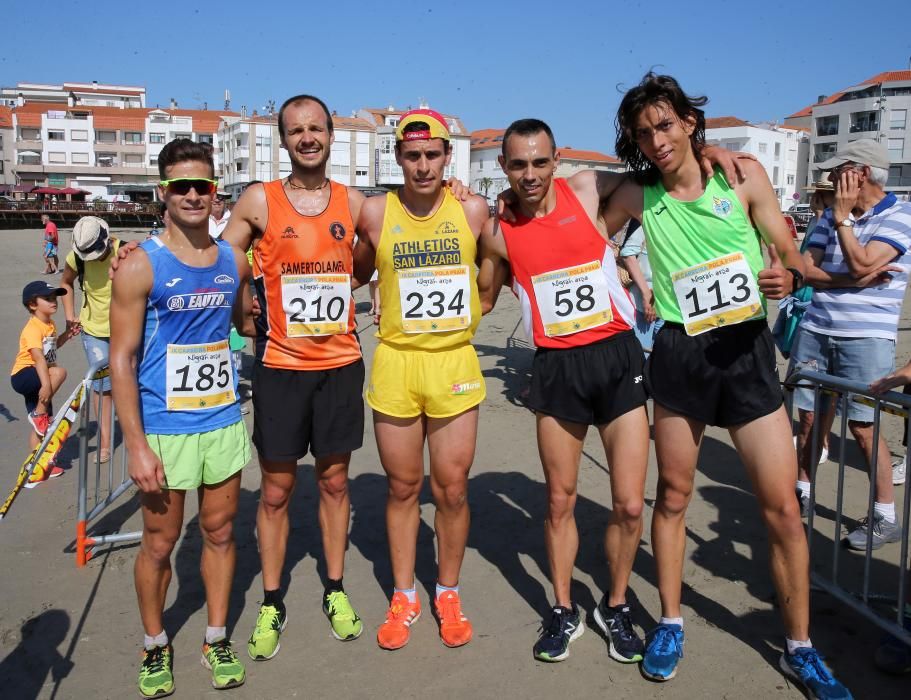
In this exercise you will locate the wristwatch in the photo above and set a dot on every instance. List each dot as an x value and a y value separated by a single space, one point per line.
849 221
799 281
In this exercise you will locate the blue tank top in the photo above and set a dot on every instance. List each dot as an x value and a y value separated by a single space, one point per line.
187 380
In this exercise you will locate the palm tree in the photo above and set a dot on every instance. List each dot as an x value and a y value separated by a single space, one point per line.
485 183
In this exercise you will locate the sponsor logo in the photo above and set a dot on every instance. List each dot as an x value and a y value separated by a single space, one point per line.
172 282
722 207
337 230
661 210
447 228
567 220
397 229
195 302
638 379
460 388
224 279
289 233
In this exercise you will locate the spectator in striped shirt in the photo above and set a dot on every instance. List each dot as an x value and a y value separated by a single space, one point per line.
860 262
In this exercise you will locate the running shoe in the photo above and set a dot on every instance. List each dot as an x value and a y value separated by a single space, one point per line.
345 623
396 630
156 679
806 667
624 645
40 422
663 650
40 475
884 532
893 655
898 472
270 623
455 629
227 670
565 626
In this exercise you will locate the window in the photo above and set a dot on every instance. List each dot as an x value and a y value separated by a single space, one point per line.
56 135
156 137
392 121
105 136
827 126
30 134
775 175
824 151
264 142
133 159
763 147
79 135
56 157
790 179
79 158
205 138
864 121
105 160
134 137
360 172
897 118
777 151
1 166
387 146
896 148
342 170
153 160
182 136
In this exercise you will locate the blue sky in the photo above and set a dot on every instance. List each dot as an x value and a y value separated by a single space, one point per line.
487 62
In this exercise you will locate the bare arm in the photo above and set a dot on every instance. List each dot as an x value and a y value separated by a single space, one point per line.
369 227
493 265
242 313
248 218
69 310
818 278
132 284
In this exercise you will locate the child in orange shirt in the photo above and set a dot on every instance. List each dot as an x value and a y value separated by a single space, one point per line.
35 373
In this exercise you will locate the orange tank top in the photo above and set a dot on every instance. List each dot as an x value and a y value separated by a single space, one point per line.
302 269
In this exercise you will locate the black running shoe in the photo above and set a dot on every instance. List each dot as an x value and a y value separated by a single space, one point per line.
564 627
625 645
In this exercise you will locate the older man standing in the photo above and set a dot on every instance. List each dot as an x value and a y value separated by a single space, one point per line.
218 219
850 327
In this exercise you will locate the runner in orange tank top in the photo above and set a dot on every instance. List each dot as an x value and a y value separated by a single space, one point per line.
426 381
308 375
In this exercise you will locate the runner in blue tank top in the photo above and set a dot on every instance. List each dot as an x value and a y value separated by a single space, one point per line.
175 389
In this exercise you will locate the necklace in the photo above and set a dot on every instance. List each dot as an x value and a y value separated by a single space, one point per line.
309 189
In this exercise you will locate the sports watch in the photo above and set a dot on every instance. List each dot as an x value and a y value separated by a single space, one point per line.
799 281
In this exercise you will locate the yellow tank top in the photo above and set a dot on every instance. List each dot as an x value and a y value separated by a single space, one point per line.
428 280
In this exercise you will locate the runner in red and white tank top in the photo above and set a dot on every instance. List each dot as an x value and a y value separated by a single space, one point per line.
565 276
587 369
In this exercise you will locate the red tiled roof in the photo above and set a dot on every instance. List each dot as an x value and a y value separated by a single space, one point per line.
888 76
567 153
6 117
486 138
131 119
103 89
724 122
355 123
379 116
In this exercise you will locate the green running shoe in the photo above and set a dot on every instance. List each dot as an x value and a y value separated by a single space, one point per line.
345 623
227 670
270 624
156 680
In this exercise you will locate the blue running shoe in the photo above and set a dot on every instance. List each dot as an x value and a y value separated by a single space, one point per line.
663 648
806 667
565 626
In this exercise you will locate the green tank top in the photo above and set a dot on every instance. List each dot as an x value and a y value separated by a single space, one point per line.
682 235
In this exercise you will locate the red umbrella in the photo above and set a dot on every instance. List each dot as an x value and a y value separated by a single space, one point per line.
45 190
72 190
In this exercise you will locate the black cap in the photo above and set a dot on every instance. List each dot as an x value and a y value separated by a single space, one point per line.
40 288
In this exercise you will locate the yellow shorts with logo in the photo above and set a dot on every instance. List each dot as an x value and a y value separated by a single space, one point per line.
438 384
202 458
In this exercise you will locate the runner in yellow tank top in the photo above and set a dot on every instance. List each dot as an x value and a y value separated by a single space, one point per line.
425 380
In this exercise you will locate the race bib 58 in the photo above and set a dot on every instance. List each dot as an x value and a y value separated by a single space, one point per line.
573 299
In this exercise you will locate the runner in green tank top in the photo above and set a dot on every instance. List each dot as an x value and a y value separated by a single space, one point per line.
713 361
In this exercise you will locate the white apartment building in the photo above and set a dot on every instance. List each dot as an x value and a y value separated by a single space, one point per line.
251 150
386 171
780 149
877 108
103 150
488 179
75 94
7 141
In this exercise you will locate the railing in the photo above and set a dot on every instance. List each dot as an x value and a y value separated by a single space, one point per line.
87 207
861 602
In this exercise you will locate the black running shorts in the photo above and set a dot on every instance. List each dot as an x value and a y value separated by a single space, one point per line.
724 377
591 384
296 411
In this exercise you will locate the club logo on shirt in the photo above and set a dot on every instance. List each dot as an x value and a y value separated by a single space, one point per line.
197 302
289 233
337 230
722 207
397 229
447 228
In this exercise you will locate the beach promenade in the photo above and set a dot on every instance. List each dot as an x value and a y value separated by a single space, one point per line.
75 633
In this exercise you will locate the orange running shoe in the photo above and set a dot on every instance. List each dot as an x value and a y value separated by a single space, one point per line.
395 631
455 629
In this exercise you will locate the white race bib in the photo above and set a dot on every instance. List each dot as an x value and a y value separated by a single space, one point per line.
719 292
435 299
315 304
573 299
49 349
199 376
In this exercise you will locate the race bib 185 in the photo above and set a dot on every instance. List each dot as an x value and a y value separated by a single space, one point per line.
315 304
719 292
573 299
435 299
199 377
